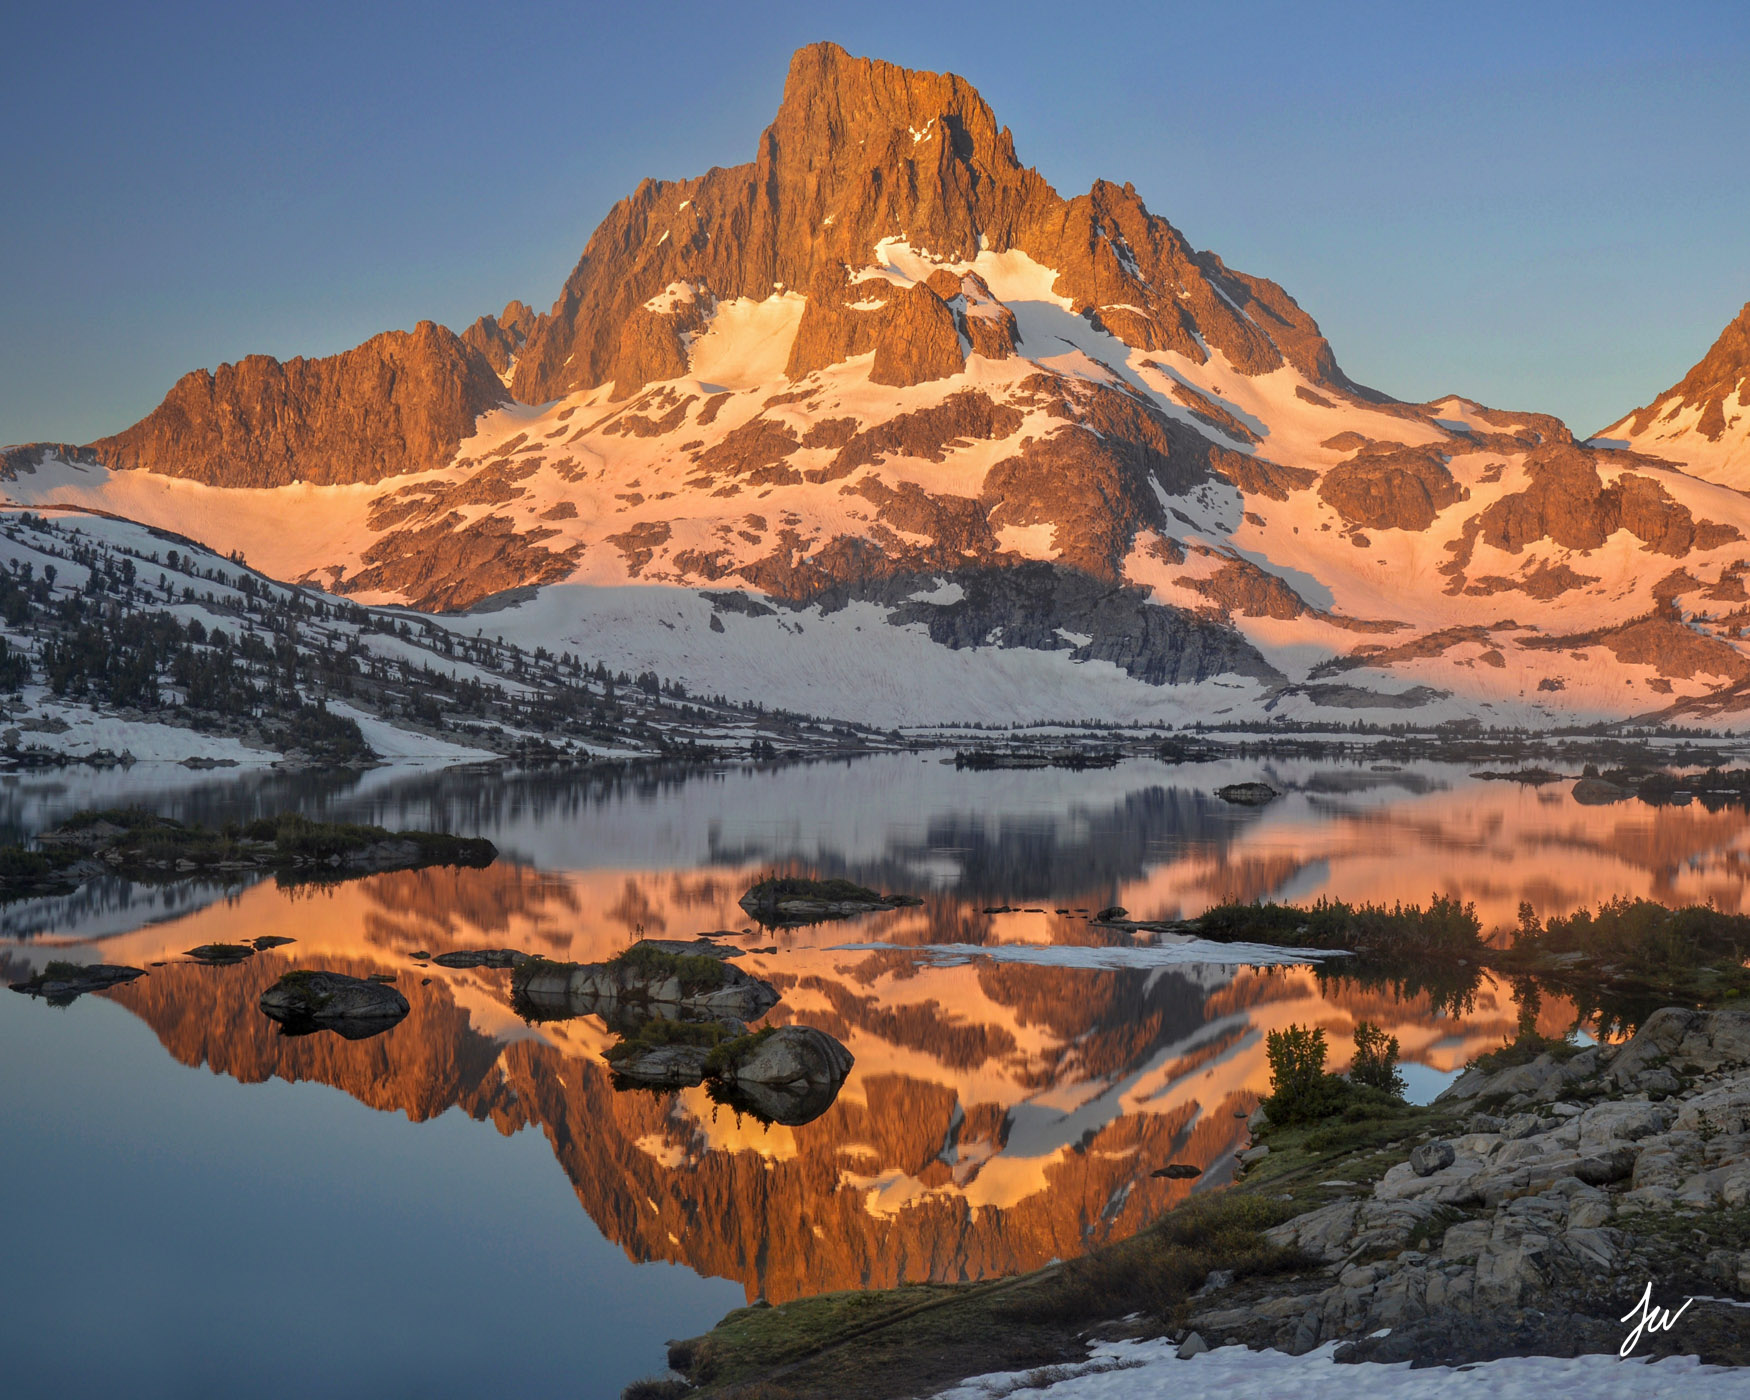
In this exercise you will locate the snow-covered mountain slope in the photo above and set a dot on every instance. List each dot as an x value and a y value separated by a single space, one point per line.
120 642
880 426
1702 423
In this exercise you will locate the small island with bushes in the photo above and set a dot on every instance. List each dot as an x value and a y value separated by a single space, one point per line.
142 846
788 901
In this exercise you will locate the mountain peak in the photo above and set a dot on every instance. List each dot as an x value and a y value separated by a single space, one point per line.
837 107
864 153
1701 421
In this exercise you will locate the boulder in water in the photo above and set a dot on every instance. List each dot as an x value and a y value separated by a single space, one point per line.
788 1074
1248 794
308 999
698 984
482 957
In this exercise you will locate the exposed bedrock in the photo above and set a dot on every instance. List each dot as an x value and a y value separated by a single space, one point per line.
1047 607
401 402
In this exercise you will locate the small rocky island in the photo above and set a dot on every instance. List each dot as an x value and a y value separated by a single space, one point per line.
681 1011
307 1000
790 901
62 983
142 846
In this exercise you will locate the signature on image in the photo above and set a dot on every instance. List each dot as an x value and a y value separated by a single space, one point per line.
1647 1317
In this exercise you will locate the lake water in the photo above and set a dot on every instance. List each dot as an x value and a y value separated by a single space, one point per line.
465 1205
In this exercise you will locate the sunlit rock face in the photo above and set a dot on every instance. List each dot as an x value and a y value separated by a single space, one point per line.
1702 422
879 425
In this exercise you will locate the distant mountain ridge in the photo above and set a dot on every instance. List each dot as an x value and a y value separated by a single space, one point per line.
879 425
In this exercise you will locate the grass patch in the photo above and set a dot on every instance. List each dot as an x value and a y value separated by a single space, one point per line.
696 972
656 1033
755 1341
655 1388
1522 1050
1158 1270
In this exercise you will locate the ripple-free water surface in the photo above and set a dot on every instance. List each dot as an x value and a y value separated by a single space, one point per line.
466 1206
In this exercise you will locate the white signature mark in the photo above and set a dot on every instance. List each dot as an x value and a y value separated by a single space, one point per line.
1649 1318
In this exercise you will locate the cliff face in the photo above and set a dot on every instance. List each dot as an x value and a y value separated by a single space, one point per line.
863 151
499 338
399 403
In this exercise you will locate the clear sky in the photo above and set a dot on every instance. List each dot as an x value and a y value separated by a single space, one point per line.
1538 205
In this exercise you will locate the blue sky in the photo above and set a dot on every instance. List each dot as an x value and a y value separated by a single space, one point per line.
1541 206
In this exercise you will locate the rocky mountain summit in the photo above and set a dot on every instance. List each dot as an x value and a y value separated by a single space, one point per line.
1703 421
879 425
501 338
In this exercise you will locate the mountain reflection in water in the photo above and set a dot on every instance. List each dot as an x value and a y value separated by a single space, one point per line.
1000 1113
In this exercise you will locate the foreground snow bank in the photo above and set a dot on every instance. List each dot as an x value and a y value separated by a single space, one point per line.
1144 1370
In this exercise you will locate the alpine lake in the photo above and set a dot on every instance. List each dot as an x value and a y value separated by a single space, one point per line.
468 1204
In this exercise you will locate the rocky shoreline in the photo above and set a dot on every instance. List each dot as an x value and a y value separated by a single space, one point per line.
1535 1210
1523 1212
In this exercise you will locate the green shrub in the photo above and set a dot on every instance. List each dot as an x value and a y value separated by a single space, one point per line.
695 971
727 1052
1642 934
1447 928
1376 1059
1300 1090
16 863
656 1032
